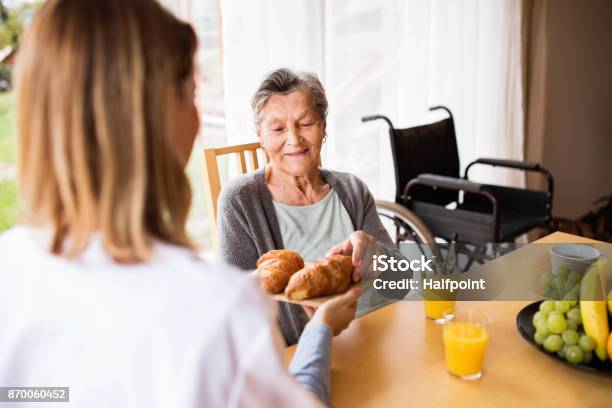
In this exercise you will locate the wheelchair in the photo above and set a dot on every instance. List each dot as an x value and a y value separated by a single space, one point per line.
434 204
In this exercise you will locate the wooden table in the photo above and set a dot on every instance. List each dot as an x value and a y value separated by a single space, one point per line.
394 357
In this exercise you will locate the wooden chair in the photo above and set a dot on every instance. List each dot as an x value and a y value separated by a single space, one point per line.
212 179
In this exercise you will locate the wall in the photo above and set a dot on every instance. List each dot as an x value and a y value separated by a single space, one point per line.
569 109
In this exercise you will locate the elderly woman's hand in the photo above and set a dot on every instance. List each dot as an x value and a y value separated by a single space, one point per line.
354 246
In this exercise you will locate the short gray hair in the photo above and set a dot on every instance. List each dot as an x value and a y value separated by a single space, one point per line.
284 81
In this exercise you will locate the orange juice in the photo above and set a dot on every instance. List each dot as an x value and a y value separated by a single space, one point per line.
434 309
438 301
465 344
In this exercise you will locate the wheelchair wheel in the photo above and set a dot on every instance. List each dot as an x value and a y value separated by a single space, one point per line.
404 225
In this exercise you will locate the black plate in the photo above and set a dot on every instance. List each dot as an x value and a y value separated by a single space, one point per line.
525 327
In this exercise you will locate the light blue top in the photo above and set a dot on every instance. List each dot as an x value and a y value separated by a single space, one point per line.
311 230
311 364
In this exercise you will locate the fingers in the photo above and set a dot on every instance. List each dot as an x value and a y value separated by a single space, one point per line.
310 311
347 248
338 249
362 244
351 296
355 293
354 246
356 258
343 248
357 242
335 250
338 313
346 299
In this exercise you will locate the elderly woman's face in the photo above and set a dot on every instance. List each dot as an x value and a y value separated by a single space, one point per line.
292 132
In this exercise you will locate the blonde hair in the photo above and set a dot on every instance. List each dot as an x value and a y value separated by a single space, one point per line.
95 155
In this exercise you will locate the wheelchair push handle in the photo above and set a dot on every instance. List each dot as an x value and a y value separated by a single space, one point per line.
370 118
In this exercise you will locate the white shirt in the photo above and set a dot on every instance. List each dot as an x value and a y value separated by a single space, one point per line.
174 332
311 230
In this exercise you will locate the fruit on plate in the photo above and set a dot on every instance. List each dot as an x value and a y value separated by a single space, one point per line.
593 305
561 283
558 327
610 302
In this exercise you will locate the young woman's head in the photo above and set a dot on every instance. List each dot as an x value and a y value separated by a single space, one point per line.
106 121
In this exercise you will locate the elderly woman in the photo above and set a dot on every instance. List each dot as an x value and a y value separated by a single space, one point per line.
292 203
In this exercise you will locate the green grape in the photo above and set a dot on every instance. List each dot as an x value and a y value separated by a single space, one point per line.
572 325
555 313
559 284
574 354
539 319
573 302
547 306
556 323
561 353
574 314
553 343
542 327
568 286
539 315
588 356
586 343
573 295
551 293
546 279
563 271
574 277
539 337
570 337
562 306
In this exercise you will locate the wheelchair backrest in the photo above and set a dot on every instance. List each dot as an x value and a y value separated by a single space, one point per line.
430 149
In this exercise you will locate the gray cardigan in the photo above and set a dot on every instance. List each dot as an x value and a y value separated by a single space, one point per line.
247 227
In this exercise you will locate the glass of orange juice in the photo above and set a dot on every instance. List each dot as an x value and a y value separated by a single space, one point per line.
466 335
434 309
436 302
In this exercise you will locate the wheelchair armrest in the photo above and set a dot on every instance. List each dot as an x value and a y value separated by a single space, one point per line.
513 164
451 183
520 165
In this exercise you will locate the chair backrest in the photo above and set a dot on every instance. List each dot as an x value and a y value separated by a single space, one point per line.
422 149
212 178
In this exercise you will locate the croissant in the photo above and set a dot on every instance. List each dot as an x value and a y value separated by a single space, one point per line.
276 267
327 276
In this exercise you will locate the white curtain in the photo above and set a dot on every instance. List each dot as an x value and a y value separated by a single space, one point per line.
394 57
258 37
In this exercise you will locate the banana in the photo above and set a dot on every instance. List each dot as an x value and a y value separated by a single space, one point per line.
593 306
